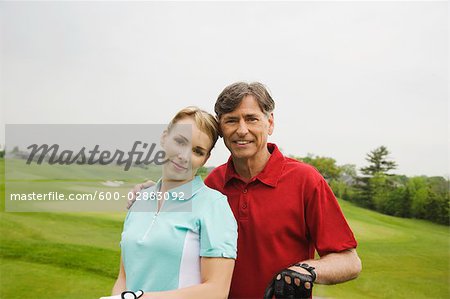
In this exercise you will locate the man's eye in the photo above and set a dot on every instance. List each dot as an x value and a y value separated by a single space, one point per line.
230 121
180 141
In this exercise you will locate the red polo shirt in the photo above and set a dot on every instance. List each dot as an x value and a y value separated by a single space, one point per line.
283 214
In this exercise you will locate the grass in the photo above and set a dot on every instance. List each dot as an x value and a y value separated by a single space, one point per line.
402 258
76 255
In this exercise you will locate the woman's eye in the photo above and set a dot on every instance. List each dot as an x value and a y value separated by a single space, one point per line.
180 141
198 152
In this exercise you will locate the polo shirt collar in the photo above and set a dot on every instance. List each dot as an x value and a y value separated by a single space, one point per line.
269 175
188 189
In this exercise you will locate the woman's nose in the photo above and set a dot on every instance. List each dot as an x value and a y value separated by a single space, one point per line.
184 154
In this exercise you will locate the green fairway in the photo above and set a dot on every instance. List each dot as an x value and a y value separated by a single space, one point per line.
402 258
76 255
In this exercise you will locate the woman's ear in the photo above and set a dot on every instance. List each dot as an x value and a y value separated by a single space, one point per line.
163 138
207 157
206 160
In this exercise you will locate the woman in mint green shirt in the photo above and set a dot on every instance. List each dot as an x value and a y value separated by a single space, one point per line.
183 245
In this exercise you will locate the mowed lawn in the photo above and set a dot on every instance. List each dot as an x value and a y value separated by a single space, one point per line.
76 255
402 258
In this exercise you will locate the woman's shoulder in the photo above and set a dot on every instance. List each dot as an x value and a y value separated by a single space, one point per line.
207 197
209 194
211 206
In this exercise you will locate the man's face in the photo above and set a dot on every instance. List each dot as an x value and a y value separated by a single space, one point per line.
246 129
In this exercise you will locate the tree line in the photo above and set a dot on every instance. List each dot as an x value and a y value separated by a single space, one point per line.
376 187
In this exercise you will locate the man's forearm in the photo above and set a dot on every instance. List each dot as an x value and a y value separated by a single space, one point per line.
335 267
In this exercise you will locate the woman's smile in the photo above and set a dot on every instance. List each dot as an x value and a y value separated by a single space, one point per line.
178 166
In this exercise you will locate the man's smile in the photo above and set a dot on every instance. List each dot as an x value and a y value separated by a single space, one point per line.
242 142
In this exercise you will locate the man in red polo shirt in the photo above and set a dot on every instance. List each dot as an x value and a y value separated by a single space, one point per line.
284 208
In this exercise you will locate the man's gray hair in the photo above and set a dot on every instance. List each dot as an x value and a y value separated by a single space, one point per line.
233 94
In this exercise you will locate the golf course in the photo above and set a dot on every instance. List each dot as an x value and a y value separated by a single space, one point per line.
76 255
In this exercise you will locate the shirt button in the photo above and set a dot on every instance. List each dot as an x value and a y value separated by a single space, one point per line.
244 206
245 190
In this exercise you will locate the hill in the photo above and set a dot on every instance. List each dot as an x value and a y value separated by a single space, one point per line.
76 255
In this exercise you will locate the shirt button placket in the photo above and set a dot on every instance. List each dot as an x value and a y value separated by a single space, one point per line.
244 204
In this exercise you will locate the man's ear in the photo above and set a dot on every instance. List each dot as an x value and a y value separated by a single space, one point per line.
271 123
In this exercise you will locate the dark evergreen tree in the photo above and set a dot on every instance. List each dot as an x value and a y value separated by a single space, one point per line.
379 163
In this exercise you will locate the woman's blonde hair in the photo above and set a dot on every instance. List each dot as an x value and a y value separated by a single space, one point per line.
205 121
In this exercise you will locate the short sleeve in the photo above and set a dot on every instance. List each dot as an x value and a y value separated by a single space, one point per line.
218 229
326 223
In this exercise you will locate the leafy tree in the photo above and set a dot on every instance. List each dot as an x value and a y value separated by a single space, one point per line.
348 170
343 186
373 188
325 165
390 195
379 191
363 192
437 208
418 191
437 205
340 188
379 163
203 172
429 198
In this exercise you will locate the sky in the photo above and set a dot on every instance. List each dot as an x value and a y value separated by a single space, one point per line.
346 77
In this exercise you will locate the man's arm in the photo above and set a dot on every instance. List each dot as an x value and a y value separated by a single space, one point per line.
334 267
137 188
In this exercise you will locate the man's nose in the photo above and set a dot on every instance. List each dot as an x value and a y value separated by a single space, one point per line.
242 129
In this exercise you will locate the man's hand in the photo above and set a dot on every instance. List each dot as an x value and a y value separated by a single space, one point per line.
137 189
290 284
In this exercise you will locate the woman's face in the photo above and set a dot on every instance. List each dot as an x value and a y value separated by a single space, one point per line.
187 149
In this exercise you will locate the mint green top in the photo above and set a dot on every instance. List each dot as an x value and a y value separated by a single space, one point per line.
161 250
